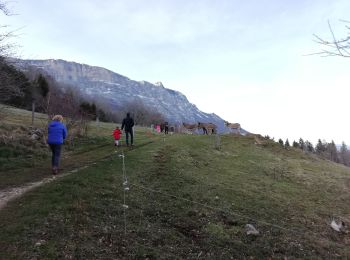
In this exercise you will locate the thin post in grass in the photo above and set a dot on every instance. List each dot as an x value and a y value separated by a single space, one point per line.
125 189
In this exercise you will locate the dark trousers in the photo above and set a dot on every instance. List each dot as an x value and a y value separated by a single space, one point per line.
56 154
131 137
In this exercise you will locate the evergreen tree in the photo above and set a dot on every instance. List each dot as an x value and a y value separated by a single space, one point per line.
39 90
286 144
344 154
102 115
301 144
42 85
295 144
309 147
332 152
320 147
281 142
88 110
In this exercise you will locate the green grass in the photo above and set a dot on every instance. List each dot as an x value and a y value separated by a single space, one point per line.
186 200
23 160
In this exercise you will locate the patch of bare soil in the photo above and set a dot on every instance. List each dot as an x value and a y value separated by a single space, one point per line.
7 195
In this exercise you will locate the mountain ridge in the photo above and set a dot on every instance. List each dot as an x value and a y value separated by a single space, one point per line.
117 90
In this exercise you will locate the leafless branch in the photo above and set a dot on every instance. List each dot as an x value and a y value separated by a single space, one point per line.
4 9
334 47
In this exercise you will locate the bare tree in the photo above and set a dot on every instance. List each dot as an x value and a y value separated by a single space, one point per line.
344 154
4 9
5 46
335 46
142 114
12 82
5 35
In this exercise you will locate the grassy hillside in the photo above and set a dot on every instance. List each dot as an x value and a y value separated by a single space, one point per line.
186 200
23 160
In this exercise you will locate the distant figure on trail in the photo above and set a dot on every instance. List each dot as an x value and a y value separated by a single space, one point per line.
57 133
127 125
166 128
117 133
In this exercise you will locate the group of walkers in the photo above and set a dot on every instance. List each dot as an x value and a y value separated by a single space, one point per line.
57 133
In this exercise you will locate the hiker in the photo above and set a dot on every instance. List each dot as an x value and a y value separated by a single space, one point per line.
166 128
57 133
127 125
116 134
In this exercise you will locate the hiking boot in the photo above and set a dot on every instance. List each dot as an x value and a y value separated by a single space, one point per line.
54 170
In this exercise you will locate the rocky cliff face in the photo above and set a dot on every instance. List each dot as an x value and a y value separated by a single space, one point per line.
117 90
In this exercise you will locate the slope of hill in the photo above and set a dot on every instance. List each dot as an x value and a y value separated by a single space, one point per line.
116 90
187 198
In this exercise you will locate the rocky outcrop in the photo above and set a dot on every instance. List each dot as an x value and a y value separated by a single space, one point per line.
117 89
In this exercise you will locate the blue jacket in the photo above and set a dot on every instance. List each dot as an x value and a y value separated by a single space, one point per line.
57 132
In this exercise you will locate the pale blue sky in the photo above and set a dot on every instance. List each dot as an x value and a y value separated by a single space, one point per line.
243 60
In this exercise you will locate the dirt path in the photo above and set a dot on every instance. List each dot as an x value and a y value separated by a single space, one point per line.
12 193
9 194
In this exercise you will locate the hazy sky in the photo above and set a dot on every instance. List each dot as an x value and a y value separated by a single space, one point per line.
243 60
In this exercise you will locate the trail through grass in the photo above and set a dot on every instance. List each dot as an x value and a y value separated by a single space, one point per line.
187 200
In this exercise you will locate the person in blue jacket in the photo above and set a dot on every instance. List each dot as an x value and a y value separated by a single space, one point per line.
57 133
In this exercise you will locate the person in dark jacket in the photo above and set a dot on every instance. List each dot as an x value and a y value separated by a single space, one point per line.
57 133
127 125
166 128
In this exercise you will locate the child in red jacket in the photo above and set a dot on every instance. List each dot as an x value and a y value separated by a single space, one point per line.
116 134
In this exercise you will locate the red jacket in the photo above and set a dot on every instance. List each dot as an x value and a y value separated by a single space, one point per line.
117 134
